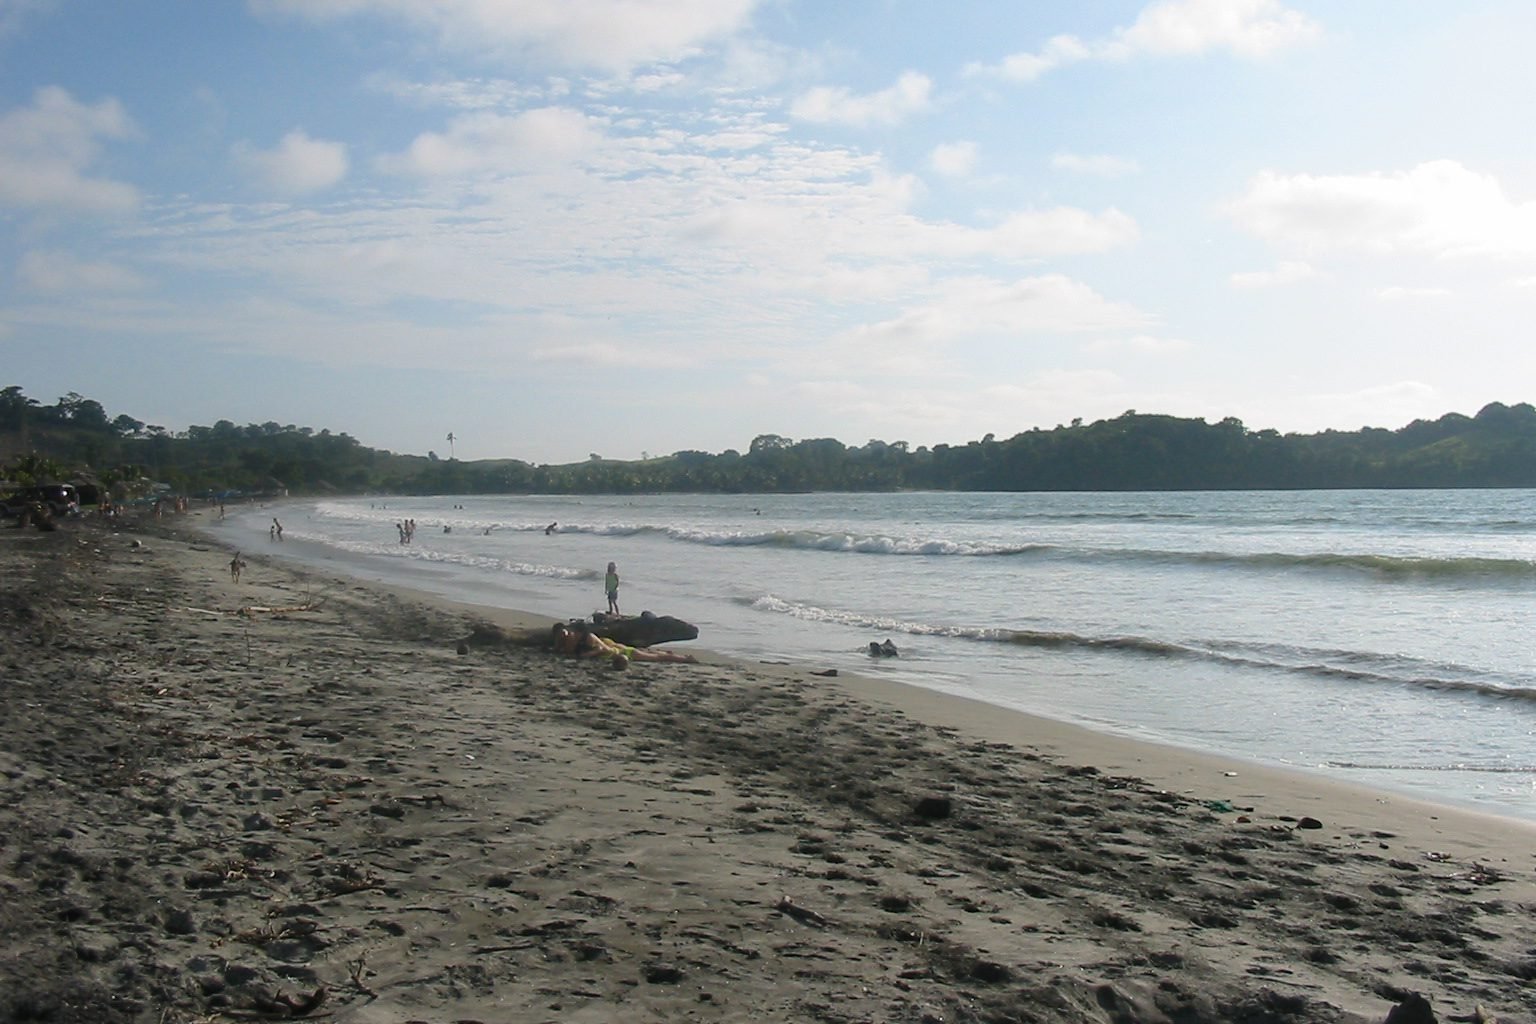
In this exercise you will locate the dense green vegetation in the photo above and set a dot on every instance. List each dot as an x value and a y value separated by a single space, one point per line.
75 440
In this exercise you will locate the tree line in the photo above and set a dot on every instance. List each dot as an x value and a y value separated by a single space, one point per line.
76 440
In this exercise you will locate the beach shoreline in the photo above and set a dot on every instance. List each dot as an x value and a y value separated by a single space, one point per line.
225 799
1165 763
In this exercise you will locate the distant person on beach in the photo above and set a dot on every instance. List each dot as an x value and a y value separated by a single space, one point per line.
611 585
550 529
578 640
235 565
277 529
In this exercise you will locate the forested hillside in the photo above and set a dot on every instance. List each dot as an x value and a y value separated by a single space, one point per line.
77 440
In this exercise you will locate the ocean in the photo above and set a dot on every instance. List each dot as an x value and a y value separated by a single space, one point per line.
1377 637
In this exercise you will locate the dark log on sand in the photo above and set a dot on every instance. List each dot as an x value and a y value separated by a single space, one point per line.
643 630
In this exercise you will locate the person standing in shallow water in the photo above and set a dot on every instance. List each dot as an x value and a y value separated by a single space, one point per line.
611 585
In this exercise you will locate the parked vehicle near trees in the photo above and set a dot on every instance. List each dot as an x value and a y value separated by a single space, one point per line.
60 499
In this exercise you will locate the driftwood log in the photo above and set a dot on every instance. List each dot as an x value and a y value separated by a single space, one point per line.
643 630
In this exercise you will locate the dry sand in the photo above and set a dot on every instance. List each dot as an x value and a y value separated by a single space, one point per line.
330 812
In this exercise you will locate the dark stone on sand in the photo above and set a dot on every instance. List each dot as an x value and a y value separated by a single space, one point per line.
388 810
240 974
1412 1009
1309 823
463 647
294 951
95 950
180 922
990 972
662 974
933 808
256 823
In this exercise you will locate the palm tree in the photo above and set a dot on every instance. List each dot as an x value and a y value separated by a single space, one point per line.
450 446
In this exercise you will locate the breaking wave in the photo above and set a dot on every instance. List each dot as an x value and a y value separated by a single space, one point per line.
1335 665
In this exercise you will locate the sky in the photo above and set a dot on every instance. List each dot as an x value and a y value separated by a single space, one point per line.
560 228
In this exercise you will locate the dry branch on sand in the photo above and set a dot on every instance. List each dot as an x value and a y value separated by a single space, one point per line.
262 609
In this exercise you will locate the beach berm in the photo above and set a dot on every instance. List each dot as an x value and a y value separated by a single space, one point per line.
296 796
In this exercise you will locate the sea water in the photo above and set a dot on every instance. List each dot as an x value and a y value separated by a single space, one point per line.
1381 637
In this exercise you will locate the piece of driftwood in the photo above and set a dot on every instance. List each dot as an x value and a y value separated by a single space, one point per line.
804 915
643 630
262 609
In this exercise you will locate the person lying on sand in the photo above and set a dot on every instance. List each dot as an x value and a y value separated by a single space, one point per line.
578 640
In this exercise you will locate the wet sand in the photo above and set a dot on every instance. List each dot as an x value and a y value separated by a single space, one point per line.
293 797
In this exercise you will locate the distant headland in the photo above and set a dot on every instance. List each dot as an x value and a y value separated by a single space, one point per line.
75 440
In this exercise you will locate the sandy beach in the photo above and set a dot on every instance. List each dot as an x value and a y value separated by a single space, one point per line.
299 797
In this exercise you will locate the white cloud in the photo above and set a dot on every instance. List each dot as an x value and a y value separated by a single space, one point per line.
1061 230
1287 272
836 105
295 165
1141 344
1097 166
465 94
654 233
1246 28
610 34
45 150
480 142
608 354
53 271
1048 304
1402 293
1438 208
953 159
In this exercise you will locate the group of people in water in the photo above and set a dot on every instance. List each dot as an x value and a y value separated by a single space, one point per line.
407 528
